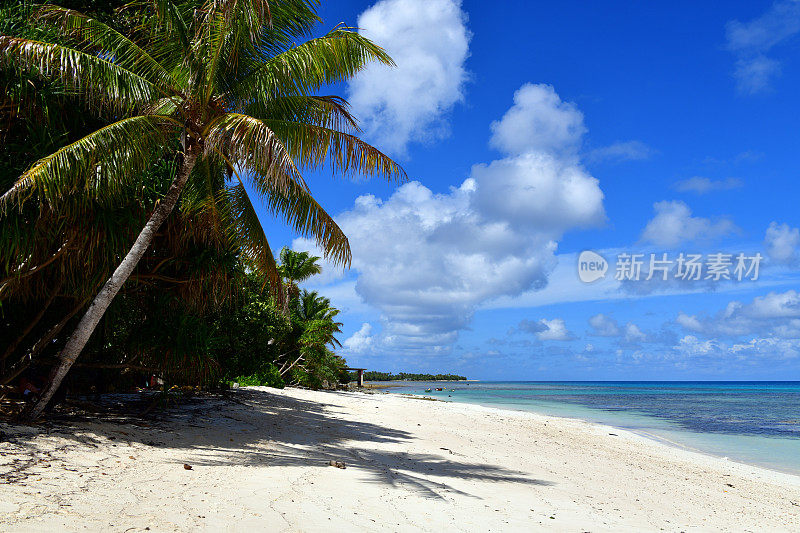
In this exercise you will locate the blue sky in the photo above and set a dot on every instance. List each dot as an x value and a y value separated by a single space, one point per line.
533 131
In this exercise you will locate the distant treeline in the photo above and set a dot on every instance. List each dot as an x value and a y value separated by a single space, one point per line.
371 375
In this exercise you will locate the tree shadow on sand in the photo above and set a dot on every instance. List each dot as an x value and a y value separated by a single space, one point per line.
260 428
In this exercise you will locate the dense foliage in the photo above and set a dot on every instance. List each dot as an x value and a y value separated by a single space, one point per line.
204 304
371 375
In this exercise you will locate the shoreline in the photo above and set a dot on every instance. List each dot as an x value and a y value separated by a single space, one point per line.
261 459
651 434
647 436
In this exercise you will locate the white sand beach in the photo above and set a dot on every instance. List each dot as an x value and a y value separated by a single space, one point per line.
260 462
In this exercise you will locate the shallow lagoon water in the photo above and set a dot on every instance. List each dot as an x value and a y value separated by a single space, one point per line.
751 422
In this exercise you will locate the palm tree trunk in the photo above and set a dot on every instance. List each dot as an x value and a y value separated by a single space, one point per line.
97 309
282 372
286 298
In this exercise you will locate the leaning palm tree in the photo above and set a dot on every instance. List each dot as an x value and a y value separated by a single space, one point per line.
223 84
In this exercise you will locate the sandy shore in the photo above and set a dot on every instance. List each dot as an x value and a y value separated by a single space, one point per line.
260 463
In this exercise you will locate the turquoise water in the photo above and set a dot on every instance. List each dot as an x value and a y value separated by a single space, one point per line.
750 422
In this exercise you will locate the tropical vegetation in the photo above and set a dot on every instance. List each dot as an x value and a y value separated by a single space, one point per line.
371 375
137 142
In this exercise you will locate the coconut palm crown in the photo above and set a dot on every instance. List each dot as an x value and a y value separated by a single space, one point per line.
220 82
296 267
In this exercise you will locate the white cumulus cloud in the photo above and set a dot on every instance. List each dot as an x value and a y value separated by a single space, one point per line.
674 224
633 333
360 342
782 243
538 121
547 330
776 312
429 42
691 345
426 261
689 322
604 325
556 330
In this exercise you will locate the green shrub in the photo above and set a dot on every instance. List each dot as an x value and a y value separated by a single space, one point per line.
267 377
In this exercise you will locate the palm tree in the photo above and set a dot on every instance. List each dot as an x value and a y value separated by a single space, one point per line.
312 306
296 267
220 82
315 327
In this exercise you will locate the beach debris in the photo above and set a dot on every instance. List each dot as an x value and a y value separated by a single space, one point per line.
613 434
187 467
337 464
729 485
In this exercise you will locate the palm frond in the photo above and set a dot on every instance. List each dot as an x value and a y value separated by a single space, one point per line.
95 165
99 80
326 111
163 106
291 21
230 28
166 25
313 145
170 19
332 58
223 41
250 236
247 143
299 209
253 14
240 34
108 43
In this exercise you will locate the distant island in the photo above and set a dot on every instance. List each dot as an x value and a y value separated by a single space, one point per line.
372 375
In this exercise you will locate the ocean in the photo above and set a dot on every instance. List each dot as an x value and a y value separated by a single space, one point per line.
751 422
